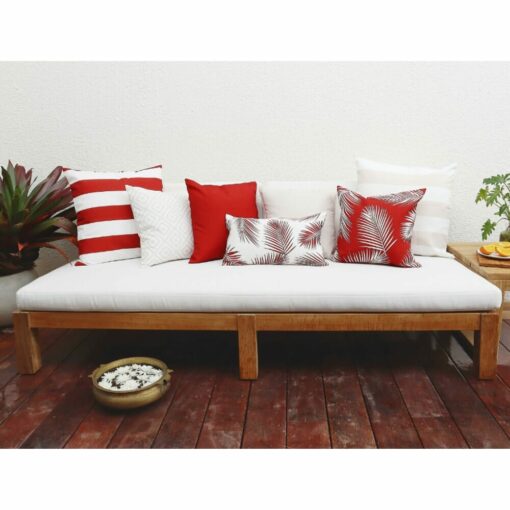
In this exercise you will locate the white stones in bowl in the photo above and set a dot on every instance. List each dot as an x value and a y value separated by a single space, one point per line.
129 377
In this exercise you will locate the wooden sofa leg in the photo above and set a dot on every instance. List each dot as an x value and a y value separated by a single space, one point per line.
486 346
28 353
248 350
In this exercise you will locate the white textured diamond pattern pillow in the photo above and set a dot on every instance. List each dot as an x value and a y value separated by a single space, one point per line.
164 224
275 241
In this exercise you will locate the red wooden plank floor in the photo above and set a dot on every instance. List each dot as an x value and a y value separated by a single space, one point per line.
392 390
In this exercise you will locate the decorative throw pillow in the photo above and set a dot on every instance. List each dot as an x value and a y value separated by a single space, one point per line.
299 199
430 235
276 241
209 204
164 224
377 230
106 228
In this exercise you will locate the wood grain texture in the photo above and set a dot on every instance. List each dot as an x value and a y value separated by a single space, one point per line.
28 352
486 346
390 419
307 420
466 254
6 344
135 320
20 387
8 369
505 335
494 394
62 421
141 426
224 421
20 424
504 365
183 422
247 326
497 263
349 423
265 321
367 321
97 428
430 416
477 425
266 418
247 344
343 391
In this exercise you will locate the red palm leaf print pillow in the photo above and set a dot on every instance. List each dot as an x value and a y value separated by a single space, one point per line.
377 230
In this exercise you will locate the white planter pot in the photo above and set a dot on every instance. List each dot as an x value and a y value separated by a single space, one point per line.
9 285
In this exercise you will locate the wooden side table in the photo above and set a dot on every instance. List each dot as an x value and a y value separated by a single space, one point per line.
465 253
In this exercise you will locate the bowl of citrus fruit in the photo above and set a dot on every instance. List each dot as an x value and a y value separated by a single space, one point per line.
496 250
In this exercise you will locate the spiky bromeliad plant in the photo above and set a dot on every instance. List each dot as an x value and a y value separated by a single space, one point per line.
32 216
495 192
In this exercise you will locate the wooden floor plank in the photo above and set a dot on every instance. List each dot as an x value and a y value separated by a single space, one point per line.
103 426
97 428
6 343
369 389
477 425
307 420
494 394
183 422
504 365
430 416
224 422
349 423
266 417
140 426
8 368
390 419
60 424
505 335
20 424
19 389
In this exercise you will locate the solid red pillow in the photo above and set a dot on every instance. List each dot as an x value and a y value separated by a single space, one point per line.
377 230
209 205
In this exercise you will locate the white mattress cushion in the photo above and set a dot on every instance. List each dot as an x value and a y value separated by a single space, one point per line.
439 285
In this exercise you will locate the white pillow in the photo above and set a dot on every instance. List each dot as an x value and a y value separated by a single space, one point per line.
164 224
274 241
282 199
430 234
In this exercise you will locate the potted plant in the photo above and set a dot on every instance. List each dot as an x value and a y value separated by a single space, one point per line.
496 192
32 216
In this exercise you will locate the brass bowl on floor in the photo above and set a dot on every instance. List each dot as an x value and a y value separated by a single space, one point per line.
131 399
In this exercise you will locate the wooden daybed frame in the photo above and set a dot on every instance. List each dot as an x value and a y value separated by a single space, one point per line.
484 324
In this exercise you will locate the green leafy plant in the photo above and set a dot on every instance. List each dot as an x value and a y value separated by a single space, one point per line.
495 193
32 216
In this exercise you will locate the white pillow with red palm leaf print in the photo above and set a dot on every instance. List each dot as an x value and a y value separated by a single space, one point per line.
377 230
275 241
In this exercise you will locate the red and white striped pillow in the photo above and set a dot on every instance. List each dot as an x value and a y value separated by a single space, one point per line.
106 228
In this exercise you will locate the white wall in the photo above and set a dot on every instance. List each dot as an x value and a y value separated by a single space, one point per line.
294 121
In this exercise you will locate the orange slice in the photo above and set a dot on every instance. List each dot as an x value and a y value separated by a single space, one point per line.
488 249
504 252
504 244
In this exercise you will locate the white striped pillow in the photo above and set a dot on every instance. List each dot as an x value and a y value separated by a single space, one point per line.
430 234
106 228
